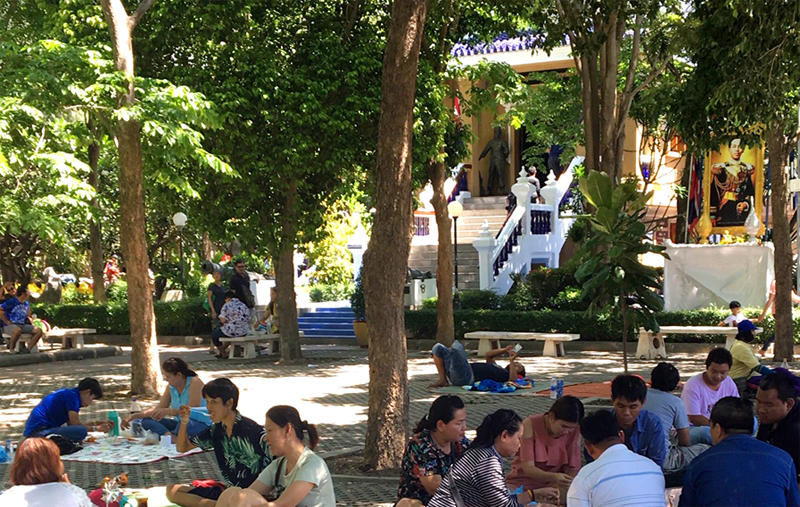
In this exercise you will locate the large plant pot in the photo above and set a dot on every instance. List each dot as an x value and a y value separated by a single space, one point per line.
362 333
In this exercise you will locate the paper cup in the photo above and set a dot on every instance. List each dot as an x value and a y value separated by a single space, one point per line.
166 440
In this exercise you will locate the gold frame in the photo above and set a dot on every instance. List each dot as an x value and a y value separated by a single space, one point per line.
758 162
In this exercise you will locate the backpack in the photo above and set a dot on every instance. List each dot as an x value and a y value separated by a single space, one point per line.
65 445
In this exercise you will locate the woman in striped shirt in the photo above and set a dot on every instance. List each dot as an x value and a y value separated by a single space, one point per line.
477 480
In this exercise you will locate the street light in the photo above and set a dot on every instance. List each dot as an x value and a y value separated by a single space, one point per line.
455 209
179 219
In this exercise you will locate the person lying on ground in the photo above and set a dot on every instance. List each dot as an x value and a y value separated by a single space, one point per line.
454 368
38 479
238 444
779 415
616 477
184 389
642 429
739 471
702 391
296 477
670 410
550 450
437 443
16 316
235 319
476 479
59 413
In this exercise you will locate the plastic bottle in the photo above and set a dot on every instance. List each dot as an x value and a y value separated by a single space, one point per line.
9 447
560 388
135 407
113 416
553 388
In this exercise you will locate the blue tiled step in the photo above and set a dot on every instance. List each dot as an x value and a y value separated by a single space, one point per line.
328 322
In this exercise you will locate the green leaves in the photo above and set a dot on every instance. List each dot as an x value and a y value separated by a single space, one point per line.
597 188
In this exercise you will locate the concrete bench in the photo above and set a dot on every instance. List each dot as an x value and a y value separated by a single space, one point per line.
70 337
553 342
246 345
651 346
23 338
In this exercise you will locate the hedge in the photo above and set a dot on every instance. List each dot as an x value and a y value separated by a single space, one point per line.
421 324
172 319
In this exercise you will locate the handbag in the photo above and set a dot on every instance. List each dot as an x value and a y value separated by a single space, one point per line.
451 482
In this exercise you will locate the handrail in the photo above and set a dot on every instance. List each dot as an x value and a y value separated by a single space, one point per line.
461 183
507 239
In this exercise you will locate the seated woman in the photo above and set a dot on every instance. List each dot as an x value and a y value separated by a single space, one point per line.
550 450
476 480
184 389
437 443
745 363
296 477
38 479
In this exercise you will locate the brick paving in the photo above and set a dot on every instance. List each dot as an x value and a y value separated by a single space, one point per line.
329 389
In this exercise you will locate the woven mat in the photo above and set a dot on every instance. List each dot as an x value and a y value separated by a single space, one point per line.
459 390
121 451
586 390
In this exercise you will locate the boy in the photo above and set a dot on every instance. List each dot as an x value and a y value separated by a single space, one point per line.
735 317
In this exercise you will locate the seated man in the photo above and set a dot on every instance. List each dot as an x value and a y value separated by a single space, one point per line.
739 471
670 410
642 429
238 442
235 319
702 391
58 413
454 368
616 477
16 315
745 362
778 412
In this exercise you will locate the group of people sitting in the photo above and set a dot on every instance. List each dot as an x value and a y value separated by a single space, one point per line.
16 318
260 465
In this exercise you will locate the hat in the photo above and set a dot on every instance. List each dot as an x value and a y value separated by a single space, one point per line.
745 326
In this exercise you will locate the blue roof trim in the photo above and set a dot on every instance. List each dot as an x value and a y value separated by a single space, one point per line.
501 44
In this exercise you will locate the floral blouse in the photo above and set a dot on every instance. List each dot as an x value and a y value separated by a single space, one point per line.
424 458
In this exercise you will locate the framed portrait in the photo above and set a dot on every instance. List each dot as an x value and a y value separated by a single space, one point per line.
733 182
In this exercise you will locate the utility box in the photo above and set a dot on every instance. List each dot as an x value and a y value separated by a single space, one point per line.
417 291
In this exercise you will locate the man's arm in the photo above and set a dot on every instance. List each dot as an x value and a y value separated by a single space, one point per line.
3 316
767 306
656 446
490 355
75 420
183 444
684 437
699 420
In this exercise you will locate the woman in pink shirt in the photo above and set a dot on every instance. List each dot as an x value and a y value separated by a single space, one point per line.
550 449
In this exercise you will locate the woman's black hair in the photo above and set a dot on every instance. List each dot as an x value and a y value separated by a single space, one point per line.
494 425
664 377
284 414
178 365
567 409
745 336
442 409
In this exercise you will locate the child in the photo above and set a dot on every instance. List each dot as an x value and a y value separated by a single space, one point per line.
735 317
269 323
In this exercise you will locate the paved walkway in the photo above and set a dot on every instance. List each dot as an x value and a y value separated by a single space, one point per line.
330 390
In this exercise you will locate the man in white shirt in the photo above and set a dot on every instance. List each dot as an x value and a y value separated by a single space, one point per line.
617 477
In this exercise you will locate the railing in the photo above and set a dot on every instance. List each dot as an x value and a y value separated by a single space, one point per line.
422 225
461 183
541 219
507 239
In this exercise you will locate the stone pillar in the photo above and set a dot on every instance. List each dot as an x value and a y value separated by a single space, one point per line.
522 189
550 195
485 245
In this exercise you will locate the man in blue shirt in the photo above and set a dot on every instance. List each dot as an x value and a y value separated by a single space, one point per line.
642 429
15 314
58 412
739 471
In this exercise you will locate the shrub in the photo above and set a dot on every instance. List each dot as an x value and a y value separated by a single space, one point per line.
357 302
322 292
71 295
117 291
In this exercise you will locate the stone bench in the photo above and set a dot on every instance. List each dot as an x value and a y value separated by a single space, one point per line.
246 345
70 337
553 342
651 346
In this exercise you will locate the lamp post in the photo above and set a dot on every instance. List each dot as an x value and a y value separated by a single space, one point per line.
179 219
455 209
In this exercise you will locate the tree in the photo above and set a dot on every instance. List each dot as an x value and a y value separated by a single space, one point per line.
757 103
145 367
597 31
385 260
610 270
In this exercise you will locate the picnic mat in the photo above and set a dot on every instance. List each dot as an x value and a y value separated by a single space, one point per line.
121 451
586 390
156 497
460 390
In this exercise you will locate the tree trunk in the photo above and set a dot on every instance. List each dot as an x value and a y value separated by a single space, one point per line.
781 237
623 307
445 332
95 233
208 250
145 367
681 234
284 280
387 257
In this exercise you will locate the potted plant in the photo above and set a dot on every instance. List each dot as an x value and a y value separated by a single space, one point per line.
360 310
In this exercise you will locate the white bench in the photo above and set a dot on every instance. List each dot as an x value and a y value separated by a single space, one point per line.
553 342
651 346
246 345
70 337
24 337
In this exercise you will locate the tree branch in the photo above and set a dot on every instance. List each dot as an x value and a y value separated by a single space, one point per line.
637 38
141 10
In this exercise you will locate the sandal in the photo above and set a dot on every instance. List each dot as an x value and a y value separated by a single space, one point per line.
220 356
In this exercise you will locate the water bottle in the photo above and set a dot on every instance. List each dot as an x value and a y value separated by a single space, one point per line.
9 448
135 407
137 430
553 388
560 388
113 416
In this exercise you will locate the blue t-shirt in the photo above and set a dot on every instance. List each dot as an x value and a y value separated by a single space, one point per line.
645 438
669 409
16 311
53 411
740 471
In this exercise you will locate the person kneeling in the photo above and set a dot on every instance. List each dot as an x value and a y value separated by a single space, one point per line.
298 477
